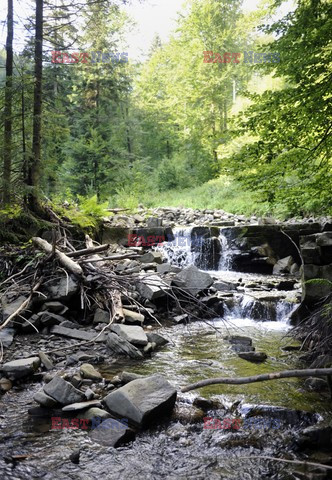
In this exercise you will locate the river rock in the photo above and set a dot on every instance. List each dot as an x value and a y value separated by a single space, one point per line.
313 384
239 340
133 318
152 257
5 384
62 288
88 371
63 392
101 316
46 361
7 336
256 357
74 407
157 339
316 437
133 334
121 346
126 377
45 400
10 307
112 433
142 400
21 368
76 333
286 415
94 413
151 286
193 280
242 348
283 265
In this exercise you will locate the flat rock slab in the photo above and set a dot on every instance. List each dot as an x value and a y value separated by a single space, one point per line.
151 286
21 368
74 407
193 280
63 392
120 346
76 333
256 357
142 400
7 336
132 333
45 400
157 339
112 433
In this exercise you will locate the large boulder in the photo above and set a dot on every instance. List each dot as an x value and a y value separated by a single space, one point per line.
63 392
133 334
21 368
283 265
151 286
192 280
142 400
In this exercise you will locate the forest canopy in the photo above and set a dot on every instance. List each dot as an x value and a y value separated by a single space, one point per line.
233 112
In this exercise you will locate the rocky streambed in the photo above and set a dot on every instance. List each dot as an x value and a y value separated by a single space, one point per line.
76 406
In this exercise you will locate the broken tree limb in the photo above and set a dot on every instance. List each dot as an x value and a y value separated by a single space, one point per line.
114 257
310 372
88 251
117 310
65 261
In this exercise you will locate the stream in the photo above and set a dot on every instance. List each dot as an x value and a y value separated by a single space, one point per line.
180 448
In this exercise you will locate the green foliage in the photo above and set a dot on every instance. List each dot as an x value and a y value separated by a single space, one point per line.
87 214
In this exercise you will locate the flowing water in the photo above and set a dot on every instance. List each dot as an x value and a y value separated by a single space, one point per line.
179 448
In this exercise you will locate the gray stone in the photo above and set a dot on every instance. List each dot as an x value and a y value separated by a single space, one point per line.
5 384
152 257
133 334
256 357
112 433
324 239
153 222
283 265
48 319
21 368
54 307
133 318
75 333
63 391
151 286
45 400
168 268
74 407
101 316
7 336
242 348
157 339
94 412
8 308
63 288
126 377
193 280
88 371
181 318
46 361
142 400
120 346
313 384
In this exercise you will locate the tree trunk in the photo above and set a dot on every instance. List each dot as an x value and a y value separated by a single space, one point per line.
34 173
7 151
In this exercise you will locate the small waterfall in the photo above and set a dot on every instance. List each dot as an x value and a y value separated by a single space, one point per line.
179 252
246 306
225 262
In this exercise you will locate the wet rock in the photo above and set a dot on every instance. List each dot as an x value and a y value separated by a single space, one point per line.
74 457
157 339
256 357
181 318
224 286
153 222
75 407
88 371
75 333
94 412
101 316
89 394
316 437
7 336
288 416
21 368
112 433
152 257
206 404
239 340
120 346
142 400
5 384
313 384
242 348
62 288
63 392
186 413
192 280
167 268
46 361
126 377
133 318
151 286
133 334
54 307
8 308
176 431
283 265
45 400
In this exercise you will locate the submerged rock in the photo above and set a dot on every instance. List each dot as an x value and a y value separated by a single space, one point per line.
256 357
142 400
112 433
239 340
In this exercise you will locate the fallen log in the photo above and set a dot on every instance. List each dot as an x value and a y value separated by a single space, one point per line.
117 310
310 372
65 261
113 257
88 251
